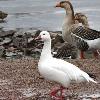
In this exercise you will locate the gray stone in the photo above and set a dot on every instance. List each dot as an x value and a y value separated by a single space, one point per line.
20 40
10 54
3 15
6 41
6 33
2 51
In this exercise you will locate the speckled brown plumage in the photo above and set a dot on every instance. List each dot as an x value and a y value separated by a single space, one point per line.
82 45
65 51
86 33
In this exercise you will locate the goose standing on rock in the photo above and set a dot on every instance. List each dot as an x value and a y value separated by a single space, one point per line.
87 39
58 70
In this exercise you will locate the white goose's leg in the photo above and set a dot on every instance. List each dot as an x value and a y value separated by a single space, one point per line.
55 91
61 92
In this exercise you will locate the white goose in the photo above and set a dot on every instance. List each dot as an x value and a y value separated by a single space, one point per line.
58 70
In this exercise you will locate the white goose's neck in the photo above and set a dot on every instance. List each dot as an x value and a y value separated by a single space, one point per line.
46 51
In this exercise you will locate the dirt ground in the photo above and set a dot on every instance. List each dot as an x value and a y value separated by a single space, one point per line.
20 80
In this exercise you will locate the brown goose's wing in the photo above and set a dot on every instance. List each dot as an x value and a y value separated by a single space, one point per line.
65 51
85 33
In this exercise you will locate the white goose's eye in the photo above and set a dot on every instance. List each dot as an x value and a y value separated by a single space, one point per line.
43 34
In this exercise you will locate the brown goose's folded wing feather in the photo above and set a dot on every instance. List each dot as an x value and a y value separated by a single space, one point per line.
86 33
66 50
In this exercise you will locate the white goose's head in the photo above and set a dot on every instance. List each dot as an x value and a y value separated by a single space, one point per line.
44 36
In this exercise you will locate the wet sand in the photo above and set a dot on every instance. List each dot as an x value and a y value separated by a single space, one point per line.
20 80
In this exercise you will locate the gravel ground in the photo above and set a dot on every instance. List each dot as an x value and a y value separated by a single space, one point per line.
20 80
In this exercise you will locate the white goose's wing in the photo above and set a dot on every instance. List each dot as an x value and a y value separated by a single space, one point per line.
53 74
71 71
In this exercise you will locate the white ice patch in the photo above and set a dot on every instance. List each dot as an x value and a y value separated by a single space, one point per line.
5 82
90 96
27 92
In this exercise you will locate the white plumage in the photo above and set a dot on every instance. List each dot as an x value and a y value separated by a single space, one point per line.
59 70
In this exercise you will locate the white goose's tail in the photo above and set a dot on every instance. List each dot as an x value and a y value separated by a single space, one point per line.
88 78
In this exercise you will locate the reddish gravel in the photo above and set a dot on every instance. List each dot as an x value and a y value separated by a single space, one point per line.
20 80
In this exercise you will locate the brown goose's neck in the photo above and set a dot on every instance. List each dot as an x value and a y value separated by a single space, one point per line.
70 14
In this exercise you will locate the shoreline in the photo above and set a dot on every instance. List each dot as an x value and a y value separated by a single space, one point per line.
20 42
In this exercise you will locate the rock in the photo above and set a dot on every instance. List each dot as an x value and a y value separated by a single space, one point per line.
36 53
6 41
10 54
3 15
11 49
24 42
25 39
2 51
1 39
54 34
6 33
57 39
20 40
14 54
37 33
30 40
31 32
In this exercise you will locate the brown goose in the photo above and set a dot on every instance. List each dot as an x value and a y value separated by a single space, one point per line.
81 18
68 50
3 15
86 38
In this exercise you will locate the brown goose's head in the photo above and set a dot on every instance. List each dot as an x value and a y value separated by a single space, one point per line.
65 4
81 18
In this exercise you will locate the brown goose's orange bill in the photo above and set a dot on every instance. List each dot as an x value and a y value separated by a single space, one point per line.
58 5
